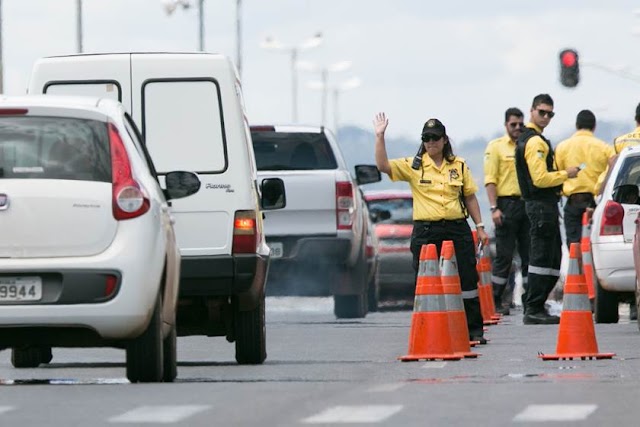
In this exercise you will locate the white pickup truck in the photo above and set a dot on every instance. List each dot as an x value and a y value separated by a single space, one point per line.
318 241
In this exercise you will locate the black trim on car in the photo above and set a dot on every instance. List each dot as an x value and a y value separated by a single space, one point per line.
219 274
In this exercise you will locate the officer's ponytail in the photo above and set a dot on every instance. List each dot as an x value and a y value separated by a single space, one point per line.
447 151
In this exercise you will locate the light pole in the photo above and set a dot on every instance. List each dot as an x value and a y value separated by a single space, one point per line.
352 83
239 37
271 43
171 5
1 63
79 25
324 79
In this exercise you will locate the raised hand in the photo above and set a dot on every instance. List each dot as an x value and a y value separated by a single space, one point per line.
380 123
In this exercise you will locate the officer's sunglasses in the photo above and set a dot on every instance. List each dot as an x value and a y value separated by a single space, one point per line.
544 113
516 125
428 137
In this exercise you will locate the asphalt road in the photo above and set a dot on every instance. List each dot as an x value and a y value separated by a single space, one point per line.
323 371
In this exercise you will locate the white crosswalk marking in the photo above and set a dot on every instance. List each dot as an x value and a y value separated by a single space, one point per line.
354 414
159 414
435 365
542 413
383 388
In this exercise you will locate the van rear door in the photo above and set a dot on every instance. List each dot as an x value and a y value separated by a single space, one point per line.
181 120
105 76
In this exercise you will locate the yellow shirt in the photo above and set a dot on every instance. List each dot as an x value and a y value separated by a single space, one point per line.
500 166
535 154
436 190
627 140
583 147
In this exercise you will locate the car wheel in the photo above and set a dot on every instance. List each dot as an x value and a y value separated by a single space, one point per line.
144 354
349 306
373 293
29 357
170 356
251 335
606 305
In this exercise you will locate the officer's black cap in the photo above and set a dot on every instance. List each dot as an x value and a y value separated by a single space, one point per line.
434 127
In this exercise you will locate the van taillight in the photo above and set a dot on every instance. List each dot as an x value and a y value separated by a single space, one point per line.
344 205
245 234
612 217
128 198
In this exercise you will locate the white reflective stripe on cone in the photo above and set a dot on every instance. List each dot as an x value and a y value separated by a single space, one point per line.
427 303
586 258
543 271
453 302
574 267
576 302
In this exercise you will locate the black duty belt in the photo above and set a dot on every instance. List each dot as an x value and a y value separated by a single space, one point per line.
510 197
441 222
580 198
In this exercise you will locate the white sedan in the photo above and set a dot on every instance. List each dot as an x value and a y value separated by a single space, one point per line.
612 231
88 256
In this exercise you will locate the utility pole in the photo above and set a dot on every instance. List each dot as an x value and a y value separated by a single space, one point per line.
1 64
79 26
239 37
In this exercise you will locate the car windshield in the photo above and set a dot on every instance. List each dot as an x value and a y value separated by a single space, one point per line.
292 151
54 148
401 210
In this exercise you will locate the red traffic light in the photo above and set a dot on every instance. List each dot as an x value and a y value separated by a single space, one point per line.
569 58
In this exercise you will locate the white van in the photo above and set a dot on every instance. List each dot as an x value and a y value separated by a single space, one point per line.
189 108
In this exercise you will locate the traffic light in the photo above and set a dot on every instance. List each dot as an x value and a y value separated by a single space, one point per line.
569 68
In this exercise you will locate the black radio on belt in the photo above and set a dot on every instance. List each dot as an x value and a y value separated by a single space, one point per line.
417 160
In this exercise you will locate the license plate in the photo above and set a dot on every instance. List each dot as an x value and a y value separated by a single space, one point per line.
276 249
23 288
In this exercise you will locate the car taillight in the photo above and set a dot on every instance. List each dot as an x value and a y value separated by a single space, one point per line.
128 198
245 233
344 205
612 217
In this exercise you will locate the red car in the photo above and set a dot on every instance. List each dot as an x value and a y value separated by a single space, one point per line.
392 213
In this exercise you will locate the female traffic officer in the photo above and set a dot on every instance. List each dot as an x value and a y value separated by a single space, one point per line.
443 191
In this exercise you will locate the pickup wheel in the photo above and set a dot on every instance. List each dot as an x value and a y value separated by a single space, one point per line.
251 335
373 292
30 357
606 305
349 306
144 353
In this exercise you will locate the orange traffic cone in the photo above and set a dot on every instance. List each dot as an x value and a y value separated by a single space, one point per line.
587 260
485 288
429 337
453 300
576 335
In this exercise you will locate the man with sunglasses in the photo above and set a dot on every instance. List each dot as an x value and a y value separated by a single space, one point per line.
507 207
540 184
582 148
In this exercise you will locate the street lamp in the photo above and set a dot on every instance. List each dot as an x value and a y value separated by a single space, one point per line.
271 43
79 26
324 77
352 83
171 5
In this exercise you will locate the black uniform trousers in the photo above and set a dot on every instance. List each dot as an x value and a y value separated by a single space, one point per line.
573 210
427 232
545 253
511 235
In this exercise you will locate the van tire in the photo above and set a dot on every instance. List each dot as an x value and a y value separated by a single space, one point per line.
144 353
170 356
349 306
373 293
29 357
606 305
251 335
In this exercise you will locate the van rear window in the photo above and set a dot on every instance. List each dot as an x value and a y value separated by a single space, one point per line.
292 151
54 148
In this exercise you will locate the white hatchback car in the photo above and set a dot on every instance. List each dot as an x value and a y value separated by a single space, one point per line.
612 236
88 256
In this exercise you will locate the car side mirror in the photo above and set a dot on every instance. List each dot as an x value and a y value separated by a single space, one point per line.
180 184
367 174
273 195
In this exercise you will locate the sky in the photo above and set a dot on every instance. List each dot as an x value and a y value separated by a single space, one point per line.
463 62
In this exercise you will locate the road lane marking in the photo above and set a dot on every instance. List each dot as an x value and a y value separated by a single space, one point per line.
4 409
159 414
382 388
354 414
435 365
543 413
